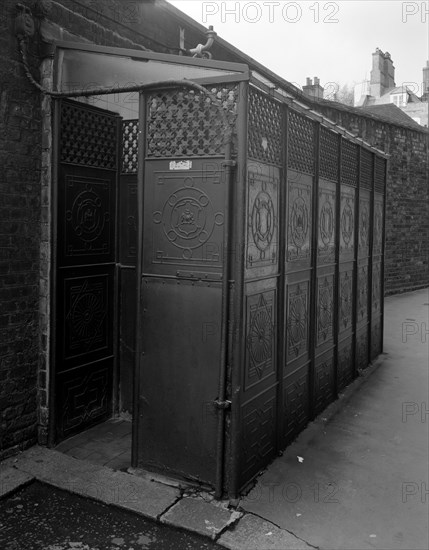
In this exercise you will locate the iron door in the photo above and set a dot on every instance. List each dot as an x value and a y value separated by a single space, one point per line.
184 222
85 265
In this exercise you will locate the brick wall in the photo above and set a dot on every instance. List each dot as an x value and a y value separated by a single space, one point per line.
407 207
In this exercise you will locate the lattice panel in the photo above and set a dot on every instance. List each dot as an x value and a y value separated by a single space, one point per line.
262 216
346 300
329 154
258 434
323 384
299 221
325 307
130 146
345 365
297 320
301 143
185 123
349 163
261 337
380 174
366 167
265 128
88 138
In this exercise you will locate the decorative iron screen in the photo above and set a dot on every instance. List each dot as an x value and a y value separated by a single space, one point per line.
301 143
349 163
88 137
186 123
380 174
366 167
265 128
329 142
130 132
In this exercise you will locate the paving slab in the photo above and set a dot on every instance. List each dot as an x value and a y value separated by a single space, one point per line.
254 533
199 516
12 479
148 498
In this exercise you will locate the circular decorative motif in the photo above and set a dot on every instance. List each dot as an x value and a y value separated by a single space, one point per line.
85 318
363 231
347 224
188 218
263 221
260 336
87 216
299 222
326 223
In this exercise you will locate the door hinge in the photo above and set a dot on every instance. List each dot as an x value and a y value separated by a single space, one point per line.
222 404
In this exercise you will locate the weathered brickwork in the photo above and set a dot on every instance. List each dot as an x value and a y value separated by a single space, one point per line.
407 207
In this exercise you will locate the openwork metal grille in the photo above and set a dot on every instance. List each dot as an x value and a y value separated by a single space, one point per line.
130 132
88 137
185 123
301 143
328 154
366 167
349 163
265 128
380 174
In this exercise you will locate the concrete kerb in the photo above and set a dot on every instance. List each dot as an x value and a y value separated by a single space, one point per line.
164 503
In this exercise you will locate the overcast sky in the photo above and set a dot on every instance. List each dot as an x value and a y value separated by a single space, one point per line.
331 40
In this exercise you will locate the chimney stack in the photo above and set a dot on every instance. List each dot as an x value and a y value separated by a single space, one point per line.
313 90
426 81
382 74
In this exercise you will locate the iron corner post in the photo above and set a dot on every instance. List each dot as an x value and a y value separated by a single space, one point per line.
139 324
238 338
337 267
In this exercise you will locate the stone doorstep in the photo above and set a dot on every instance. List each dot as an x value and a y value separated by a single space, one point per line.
149 498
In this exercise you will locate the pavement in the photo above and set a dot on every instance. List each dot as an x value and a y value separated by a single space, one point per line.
355 478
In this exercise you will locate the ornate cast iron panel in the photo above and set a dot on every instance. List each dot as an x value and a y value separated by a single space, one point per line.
366 169
376 336
380 175
299 220
323 382
85 396
347 223
295 404
258 434
362 293
325 309
184 218
86 217
362 348
364 223
329 152
345 364
326 224
85 279
260 338
265 128
346 301
262 221
297 320
378 224
185 123
301 143
128 220
376 287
